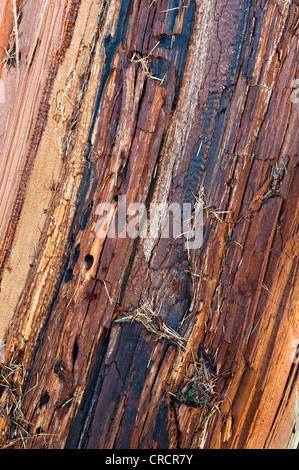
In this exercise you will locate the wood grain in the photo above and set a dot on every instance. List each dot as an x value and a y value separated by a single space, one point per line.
213 118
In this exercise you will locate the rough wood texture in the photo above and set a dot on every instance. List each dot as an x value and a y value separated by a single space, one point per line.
216 113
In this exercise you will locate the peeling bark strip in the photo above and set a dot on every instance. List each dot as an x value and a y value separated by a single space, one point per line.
190 103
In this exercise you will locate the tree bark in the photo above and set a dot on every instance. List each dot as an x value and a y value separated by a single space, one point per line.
163 104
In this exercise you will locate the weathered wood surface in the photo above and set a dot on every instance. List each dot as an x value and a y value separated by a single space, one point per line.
219 118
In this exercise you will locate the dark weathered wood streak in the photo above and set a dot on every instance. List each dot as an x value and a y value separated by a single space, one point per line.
222 116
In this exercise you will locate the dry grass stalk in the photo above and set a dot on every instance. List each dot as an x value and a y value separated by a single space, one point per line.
12 376
12 380
16 22
12 53
199 386
153 323
211 210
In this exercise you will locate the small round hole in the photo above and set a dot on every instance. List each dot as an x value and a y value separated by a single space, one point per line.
88 261
76 254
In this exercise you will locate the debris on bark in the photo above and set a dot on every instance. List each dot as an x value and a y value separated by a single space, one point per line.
144 342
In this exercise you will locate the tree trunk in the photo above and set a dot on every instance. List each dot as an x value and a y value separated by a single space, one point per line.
141 342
